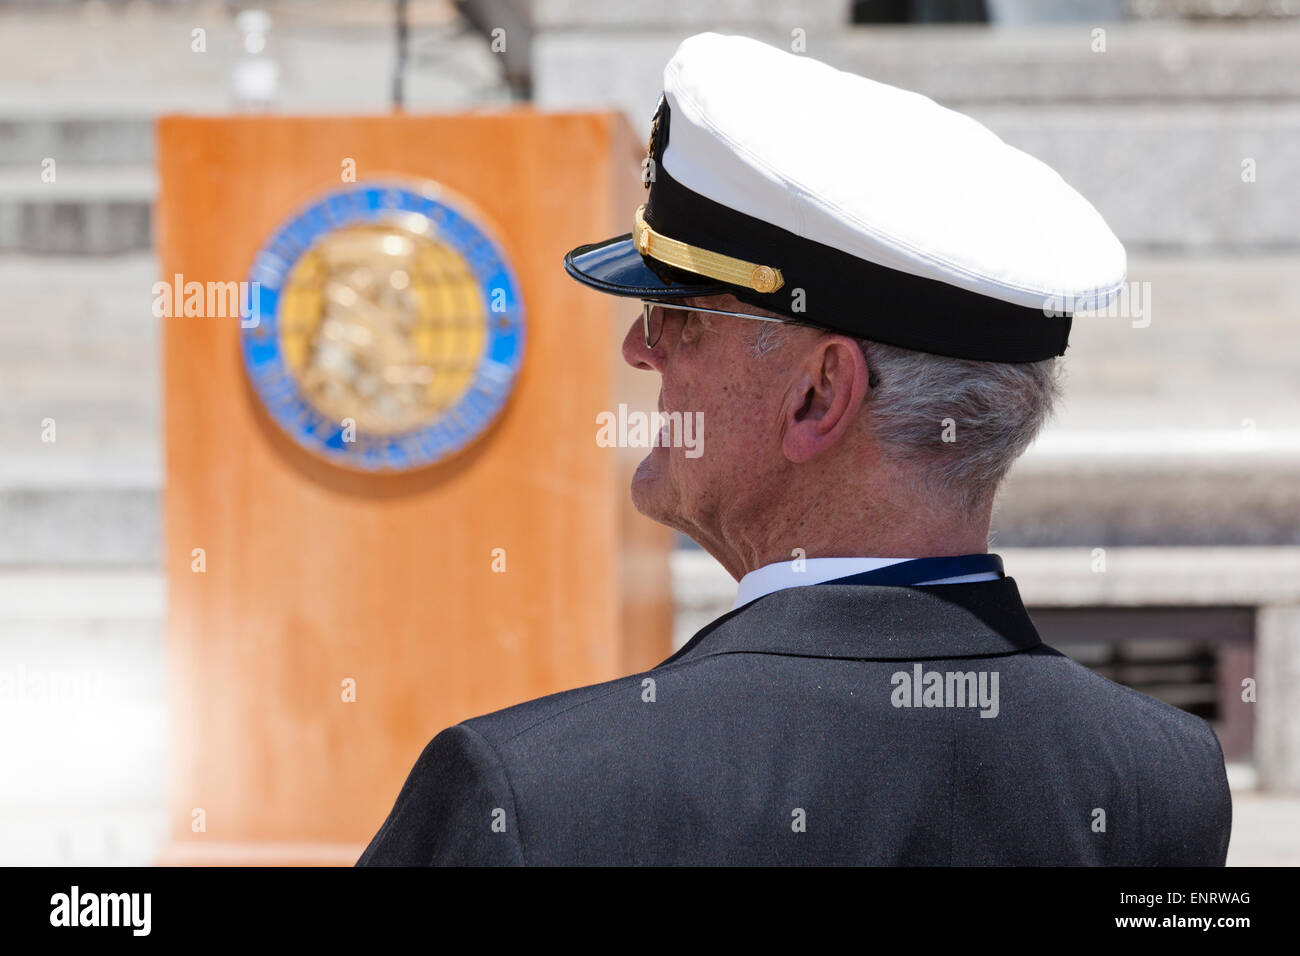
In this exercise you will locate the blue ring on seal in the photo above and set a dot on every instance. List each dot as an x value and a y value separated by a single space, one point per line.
497 367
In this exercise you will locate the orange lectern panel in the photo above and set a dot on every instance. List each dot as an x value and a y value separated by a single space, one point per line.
290 577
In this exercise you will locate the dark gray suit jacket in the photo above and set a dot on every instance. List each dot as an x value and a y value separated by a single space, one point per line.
779 735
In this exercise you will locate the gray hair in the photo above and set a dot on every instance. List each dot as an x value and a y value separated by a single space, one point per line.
963 423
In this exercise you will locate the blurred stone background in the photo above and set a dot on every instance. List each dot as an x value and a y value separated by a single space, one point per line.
1175 461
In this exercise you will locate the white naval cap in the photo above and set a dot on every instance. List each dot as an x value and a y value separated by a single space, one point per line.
855 206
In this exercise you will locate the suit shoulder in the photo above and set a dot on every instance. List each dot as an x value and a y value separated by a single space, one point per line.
1176 763
1125 704
503 725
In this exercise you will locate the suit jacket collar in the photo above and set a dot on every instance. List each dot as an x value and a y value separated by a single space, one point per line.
874 623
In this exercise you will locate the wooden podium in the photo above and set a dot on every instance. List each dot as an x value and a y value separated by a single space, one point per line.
311 575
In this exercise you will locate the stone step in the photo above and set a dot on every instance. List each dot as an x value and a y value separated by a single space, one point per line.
585 54
1170 177
88 833
334 56
1168 61
1186 322
85 211
87 140
51 527
79 346
753 17
1064 578
1147 508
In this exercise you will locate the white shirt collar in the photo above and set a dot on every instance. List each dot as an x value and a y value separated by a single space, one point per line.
793 574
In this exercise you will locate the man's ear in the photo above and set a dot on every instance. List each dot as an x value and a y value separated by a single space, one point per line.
825 394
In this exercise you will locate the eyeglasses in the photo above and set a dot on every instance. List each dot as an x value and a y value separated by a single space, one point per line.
653 320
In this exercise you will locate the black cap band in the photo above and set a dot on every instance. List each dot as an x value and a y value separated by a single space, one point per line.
840 292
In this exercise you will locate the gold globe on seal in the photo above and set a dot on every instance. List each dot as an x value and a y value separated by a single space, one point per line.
383 324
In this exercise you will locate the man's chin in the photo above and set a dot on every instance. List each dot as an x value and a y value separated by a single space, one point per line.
650 487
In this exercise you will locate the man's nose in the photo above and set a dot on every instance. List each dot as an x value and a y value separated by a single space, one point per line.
635 352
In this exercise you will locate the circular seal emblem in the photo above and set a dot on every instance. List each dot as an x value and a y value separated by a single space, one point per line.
387 327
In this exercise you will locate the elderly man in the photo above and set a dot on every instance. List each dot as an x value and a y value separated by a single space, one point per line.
865 295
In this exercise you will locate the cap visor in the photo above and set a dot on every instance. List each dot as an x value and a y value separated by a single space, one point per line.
614 266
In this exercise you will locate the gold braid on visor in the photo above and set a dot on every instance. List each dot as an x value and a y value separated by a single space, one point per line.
702 262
